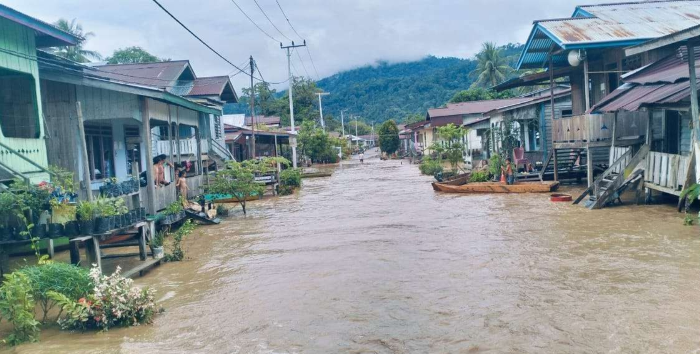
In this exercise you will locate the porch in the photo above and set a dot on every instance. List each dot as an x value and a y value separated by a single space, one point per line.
595 130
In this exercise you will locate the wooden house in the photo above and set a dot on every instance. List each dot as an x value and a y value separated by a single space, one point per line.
587 50
23 152
116 129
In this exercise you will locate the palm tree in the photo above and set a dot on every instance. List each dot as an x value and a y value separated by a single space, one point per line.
75 53
491 68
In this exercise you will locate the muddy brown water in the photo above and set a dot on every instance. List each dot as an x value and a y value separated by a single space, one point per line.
371 260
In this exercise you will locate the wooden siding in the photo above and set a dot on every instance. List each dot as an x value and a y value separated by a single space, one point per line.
60 115
159 110
665 172
16 38
168 194
592 128
101 104
559 105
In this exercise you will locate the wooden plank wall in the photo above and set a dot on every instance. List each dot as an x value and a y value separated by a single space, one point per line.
62 132
667 171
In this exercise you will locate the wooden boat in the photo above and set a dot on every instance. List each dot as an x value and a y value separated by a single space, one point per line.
497 187
454 181
316 174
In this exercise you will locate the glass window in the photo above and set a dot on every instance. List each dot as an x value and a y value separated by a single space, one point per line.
100 152
18 106
533 136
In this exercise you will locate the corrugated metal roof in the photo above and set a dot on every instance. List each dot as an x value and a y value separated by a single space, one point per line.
267 120
160 74
664 81
47 35
613 25
208 86
473 107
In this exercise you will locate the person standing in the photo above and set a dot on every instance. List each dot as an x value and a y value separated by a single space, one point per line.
507 170
362 157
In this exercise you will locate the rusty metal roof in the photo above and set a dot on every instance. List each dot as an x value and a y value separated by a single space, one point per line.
473 107
662 82
160 74
267 120
219 86
607 25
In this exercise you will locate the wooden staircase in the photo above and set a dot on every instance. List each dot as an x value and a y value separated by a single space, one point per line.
621 174
567 164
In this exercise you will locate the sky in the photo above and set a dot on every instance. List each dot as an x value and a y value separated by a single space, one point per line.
341 34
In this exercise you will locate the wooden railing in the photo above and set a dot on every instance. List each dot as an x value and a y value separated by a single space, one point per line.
187 147
666 172
590 128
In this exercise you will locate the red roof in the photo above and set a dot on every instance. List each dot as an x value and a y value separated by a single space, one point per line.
664 81
473 107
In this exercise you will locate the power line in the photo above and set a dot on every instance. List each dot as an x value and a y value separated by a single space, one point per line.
302 64
253 22
287 18
313 64
298 35
268 19
195 36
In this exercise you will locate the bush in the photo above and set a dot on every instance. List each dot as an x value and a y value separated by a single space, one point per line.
430 166
114 302
17 307
495 163
63 278
479 176
290 179
177 253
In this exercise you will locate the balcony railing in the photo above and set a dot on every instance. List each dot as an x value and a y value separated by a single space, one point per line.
665 172
187 147
598 128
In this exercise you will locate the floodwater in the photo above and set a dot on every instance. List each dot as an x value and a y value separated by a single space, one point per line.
372 260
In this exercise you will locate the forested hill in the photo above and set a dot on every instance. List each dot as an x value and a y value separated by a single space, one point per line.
395 91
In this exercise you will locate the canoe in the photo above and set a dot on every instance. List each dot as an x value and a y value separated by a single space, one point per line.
316 174
497 187
454 181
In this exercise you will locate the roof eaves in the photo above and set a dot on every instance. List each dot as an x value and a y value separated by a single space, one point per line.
39 26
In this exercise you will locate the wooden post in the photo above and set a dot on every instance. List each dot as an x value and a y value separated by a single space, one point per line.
614 132
170 144
142 243
694 107
74 252
148 148
178 143
200 170
92 248
586 84
556 165
589 165
83 151
650 123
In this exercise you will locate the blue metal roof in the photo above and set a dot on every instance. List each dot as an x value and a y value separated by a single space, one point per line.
607 25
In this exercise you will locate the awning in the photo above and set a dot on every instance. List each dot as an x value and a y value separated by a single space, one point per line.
632 98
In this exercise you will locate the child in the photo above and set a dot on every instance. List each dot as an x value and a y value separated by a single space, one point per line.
181 186
507 169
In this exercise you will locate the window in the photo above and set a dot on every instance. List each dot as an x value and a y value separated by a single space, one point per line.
100 153
132 139
533 136
217 127
566 113
18 106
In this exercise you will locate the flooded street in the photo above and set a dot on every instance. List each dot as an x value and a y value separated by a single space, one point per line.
372 260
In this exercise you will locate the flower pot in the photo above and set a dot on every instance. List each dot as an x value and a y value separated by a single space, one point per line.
70 229
55 230
102 225
87 227
39 230
158 252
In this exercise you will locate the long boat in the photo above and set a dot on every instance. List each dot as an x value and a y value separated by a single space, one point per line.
454 181
497 187
316 174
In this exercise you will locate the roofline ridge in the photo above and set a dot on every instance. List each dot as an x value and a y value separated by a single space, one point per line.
630 3
153 62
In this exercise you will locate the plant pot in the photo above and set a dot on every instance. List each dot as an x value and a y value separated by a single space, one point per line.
55 230
102 225
70 229
39 230
158 252
87 227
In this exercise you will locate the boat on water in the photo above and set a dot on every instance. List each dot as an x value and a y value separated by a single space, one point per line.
316 174
497 187
454 181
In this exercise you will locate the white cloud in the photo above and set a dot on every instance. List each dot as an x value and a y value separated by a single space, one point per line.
342 34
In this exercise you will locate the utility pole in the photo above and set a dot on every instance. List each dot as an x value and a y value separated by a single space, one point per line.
320 108
342 121
291 99
372 133
356 137
252 103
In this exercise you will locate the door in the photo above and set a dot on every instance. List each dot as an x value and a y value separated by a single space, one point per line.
672 132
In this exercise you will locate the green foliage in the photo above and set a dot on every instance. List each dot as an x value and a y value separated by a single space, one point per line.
75 53
290 179
86 210
158 239
62 179
479 94
479 176
17 307
174 208
495 163
691 193
430 166
64 278
316 144
131 55
177 253
382 91
388 137
492 68
105 207
357 127
449 144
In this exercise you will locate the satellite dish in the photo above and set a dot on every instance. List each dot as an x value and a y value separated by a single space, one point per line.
575 57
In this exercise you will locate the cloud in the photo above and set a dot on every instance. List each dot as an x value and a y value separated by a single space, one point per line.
341 34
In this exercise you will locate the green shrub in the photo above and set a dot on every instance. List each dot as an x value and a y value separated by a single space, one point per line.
177 253
17 307
291 177
64 278
86 211
495 163
479 176
430 166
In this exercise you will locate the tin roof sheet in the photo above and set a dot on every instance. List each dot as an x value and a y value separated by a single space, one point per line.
159 74
473 107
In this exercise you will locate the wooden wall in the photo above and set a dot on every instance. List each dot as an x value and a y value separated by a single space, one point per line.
60 115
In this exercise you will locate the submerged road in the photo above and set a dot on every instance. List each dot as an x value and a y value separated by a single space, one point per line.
371 260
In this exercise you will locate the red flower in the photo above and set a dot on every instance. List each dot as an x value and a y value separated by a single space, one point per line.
81 300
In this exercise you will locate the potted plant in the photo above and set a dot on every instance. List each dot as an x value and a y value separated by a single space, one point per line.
105 215
157 244
85 213
62 214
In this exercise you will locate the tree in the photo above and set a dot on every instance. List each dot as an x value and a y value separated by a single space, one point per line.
75 53
491 68
389 137
362 128
238 178
316 144
479 94
265 102
131 55
414 118
450 144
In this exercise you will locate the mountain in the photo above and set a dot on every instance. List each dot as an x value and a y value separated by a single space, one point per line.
395 91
